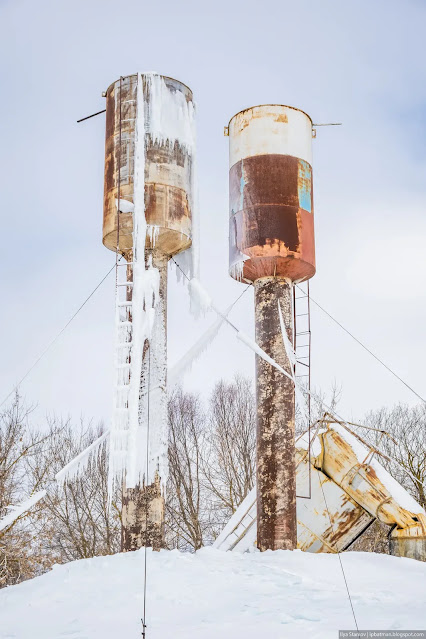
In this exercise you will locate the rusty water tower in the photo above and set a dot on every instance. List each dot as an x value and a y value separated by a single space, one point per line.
271 244
168 168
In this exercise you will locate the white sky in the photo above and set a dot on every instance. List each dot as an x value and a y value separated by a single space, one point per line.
360 63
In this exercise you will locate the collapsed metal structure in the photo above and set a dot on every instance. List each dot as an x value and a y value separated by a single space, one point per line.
348 489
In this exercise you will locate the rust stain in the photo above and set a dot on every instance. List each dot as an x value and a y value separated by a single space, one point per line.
142 517
276 471
168 175
282 117
268 218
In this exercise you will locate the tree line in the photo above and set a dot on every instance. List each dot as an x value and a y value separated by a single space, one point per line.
212 452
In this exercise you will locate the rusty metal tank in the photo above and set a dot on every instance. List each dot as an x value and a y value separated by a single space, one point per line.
169 162
271 229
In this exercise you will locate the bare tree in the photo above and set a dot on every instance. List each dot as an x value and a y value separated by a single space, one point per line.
188 522
77 521
320 404
406 446
229 463
21 556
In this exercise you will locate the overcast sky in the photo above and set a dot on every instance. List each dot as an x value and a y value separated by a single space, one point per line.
361 63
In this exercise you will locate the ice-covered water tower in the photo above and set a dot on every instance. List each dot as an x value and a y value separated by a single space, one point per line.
271 244
148 196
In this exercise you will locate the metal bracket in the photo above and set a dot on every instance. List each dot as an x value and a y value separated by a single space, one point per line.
226 131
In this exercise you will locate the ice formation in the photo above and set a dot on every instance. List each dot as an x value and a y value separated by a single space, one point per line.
125 205
171 118
17 511
184 365
259 351
76 467
138 443
152 232
201 302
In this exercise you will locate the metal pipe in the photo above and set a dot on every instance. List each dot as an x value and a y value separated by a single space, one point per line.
276 470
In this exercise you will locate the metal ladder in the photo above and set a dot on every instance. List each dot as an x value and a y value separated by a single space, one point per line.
122 358
302 340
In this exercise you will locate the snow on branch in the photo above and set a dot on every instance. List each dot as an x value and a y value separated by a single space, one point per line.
71 471
23 507
76 467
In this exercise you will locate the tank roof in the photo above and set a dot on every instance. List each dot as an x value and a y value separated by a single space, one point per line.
167 77
287 106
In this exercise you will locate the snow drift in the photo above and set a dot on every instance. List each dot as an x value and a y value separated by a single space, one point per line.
280 595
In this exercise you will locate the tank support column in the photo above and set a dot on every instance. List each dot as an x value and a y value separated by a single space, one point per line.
143 506
276 472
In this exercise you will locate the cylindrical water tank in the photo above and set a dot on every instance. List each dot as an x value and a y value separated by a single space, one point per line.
270 191
168 116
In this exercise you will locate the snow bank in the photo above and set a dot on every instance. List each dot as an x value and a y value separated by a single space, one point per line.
281 595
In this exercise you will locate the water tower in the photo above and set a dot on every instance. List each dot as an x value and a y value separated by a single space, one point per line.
271 244
148 195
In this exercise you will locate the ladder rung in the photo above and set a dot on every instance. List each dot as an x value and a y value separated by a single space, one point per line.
126 284
121 344
124 304
123 366
124 263
302 314
124 323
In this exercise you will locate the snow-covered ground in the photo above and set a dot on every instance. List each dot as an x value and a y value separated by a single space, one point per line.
213 595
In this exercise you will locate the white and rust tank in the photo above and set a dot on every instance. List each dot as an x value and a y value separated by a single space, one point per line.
271 230
169 118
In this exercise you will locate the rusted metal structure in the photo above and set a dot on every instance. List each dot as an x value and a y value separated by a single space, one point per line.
350 490
163 109
271 244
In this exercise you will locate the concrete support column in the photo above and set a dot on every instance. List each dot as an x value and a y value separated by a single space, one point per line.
143 507
276 471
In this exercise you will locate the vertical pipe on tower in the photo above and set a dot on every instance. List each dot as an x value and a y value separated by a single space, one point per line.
276 474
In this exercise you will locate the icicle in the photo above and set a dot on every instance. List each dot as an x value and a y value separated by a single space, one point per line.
139 319
201 302
171 116
259 351
152 232
171 119
76 467
236 268
184 365
287 345
17 511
